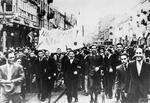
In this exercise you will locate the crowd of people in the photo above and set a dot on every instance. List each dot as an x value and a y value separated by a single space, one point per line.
91 69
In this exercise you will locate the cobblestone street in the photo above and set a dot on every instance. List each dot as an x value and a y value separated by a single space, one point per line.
32 98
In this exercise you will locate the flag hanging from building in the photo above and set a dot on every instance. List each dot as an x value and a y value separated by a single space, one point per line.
31 36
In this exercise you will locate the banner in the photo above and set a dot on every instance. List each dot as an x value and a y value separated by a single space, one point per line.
55 38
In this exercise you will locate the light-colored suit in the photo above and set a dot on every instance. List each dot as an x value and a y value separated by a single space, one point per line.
17 76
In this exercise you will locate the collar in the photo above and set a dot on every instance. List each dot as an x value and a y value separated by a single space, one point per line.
72 59
109 56
47 57
141 62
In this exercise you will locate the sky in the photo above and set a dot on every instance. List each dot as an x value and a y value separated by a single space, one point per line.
91 10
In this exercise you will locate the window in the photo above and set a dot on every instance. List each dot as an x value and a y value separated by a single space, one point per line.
31 17
9 5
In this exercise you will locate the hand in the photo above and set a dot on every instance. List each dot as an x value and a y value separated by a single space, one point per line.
148 96
102 72
49 78
5 81
125 94
79 67
96 69
111 70
75 73
34 79
54 74
12 81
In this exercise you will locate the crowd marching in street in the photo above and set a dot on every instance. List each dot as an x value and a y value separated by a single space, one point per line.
91 69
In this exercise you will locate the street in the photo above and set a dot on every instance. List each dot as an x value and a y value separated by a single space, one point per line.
32 98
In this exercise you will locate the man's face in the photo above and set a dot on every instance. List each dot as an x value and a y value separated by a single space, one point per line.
40 54
94 49
47 53
32 54
119 48
26 51
124 59
11 58
18 61
71 55
58 50
139 54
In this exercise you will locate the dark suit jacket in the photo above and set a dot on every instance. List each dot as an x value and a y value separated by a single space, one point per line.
94 61
139 86
121 74
40 68
17 76
51 67
114 61
69 70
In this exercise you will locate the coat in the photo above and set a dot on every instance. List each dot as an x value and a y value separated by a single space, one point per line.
40 67
138 85
121 76
69 69
51 67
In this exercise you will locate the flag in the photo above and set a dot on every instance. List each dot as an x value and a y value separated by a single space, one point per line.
30 35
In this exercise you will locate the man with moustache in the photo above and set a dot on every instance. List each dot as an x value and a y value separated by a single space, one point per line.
70 69
138 79
121 76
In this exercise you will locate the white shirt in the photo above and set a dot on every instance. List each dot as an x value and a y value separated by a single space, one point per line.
109 56
9 68
139 66
71 60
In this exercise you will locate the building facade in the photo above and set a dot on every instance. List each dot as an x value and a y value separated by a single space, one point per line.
21 20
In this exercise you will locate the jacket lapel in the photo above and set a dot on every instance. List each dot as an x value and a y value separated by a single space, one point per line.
142 68
135 70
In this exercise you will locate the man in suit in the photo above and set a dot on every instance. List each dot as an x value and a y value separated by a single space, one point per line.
50 74
120 81
108 73
40 65
70 69
138 79
114 61
94 73
13 75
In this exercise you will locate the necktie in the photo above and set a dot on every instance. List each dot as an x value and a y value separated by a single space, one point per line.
125 67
